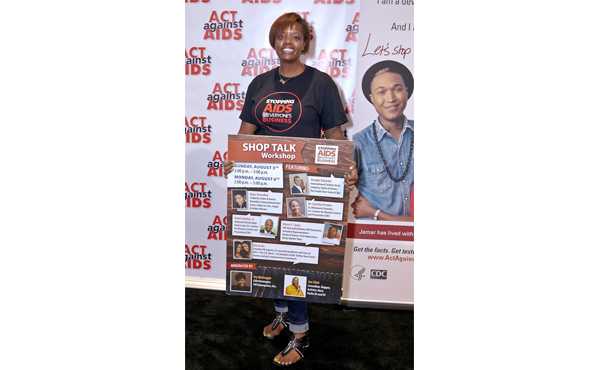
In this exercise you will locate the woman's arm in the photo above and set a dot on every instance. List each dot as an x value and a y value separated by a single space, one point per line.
335 133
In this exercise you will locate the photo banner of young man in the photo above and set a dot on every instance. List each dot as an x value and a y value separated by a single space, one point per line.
287 212
226 46
380 267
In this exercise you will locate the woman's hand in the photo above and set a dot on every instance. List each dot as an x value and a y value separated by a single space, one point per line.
228 166
351 178
362 207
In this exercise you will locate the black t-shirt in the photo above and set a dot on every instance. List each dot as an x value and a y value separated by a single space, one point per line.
301 107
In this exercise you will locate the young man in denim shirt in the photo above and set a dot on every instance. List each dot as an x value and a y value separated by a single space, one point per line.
385 148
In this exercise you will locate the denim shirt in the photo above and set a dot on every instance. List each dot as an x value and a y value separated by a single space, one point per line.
374 183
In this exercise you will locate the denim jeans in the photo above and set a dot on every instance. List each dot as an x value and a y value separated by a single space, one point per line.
297 314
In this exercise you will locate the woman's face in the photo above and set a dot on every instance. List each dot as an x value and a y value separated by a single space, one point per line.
239 199
289 43
295 208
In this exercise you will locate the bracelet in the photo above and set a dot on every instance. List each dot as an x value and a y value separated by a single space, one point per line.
376 214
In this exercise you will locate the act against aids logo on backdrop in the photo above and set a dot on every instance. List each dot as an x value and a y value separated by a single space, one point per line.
226 96
197 257
197 195
198 130
197 61
215 166
218 229
353 29
258 61
223 25
334 62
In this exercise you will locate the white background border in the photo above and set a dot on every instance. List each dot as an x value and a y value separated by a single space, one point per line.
92 171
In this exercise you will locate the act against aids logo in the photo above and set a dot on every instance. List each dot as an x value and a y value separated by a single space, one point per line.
197 195
334 62
223 25
226 96
258 61
198 130
197 258
353 29
197 61
218 229
215 166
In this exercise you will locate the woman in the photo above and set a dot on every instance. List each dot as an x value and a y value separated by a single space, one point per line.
311 105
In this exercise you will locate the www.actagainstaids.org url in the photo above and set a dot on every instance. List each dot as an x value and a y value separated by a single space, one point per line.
391 258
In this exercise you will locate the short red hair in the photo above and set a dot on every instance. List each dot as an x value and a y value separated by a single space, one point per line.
286 20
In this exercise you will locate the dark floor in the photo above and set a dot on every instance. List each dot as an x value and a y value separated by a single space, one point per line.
225 332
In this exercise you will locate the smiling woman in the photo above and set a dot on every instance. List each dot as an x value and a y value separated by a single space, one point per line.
293 100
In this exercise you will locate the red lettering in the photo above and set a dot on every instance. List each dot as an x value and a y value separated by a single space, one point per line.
194 187
224 16
196 138
198 203
218 157
220 235
280 108
351 36
197 69
251 54
223 34
230 85
192 122
213 171
195 52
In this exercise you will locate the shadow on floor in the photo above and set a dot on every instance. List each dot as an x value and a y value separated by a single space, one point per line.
225 332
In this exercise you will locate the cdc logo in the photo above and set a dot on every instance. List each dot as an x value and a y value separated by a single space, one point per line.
378 274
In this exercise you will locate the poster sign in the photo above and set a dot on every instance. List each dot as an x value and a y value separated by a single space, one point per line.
288 209
380 267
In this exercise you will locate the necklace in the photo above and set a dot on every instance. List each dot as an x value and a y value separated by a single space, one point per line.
378 145
284 80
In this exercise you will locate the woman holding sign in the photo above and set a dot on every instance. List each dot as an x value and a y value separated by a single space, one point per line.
293 100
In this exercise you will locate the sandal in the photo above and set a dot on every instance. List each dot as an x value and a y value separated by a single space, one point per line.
298 344
280 319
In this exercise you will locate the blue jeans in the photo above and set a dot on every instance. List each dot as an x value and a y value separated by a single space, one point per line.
297 314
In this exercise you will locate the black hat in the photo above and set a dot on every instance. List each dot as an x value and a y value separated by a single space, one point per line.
393 66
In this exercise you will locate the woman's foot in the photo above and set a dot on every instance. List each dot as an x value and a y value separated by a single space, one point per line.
275 328
294 351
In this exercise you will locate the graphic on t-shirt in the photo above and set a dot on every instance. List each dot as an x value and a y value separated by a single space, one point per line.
279 111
